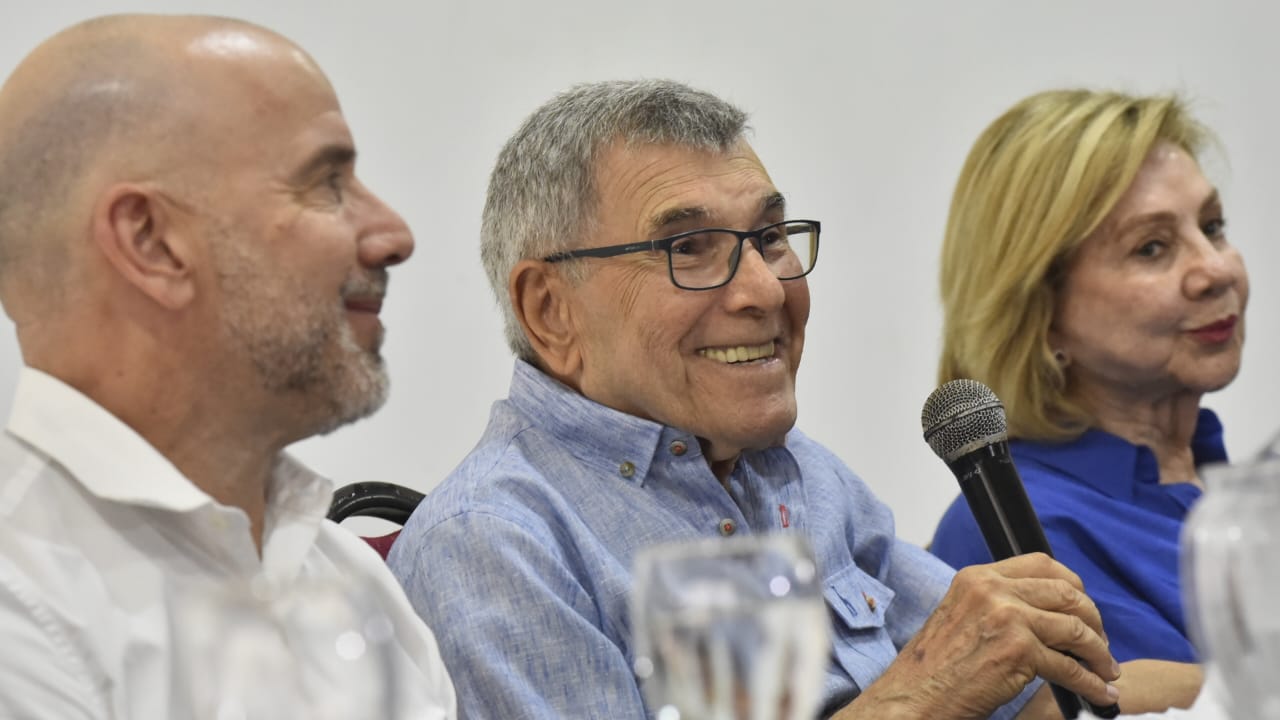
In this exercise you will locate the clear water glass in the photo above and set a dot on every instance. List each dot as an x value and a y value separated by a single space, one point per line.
1231 582
730 629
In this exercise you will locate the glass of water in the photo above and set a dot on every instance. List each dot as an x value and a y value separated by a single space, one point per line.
730 628
261 651
1231 579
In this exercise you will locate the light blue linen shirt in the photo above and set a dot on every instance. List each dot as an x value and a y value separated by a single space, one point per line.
521 560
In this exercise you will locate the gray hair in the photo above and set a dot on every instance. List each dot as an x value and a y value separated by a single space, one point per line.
542 194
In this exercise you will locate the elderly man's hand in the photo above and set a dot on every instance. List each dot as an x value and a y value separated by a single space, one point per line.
997 628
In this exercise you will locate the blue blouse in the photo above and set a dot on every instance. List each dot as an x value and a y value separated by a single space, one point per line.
1108 518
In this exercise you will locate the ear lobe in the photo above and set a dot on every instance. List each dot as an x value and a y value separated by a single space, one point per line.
133 228
541 300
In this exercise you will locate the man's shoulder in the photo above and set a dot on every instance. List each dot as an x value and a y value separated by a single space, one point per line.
38 497
512 474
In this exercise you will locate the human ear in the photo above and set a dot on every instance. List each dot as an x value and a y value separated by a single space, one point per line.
543 303
133 226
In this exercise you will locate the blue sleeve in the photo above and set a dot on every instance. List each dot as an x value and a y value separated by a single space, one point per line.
516 628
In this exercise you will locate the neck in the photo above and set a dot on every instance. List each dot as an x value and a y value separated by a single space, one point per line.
204 434
722 461
232 469
1165 425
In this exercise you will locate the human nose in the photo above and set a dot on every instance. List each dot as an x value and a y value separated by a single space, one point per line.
385 238
754 284
1215 268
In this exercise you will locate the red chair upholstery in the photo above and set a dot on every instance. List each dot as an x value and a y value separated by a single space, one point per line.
382 543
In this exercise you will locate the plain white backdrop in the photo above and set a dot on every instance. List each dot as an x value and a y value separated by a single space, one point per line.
863 113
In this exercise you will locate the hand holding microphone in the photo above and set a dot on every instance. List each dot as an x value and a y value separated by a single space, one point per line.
964 424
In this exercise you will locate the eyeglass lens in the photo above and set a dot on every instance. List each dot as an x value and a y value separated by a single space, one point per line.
707 259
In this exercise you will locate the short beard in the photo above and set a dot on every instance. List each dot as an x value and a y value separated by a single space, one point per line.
304 352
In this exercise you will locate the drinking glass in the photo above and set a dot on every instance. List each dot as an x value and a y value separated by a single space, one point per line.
1231 579
730 628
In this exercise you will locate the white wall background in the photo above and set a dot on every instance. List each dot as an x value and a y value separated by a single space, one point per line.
863 112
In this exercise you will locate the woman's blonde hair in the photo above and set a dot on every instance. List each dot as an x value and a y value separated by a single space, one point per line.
1038 181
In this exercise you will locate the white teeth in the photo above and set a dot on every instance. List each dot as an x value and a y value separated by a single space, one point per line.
741 353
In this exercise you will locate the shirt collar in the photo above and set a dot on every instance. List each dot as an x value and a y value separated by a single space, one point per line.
1112 464
599 436
94 446
113 462
297 502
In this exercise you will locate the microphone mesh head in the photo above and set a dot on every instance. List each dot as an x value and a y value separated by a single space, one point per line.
962 416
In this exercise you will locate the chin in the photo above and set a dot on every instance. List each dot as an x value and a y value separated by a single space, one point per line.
1218 384
771 435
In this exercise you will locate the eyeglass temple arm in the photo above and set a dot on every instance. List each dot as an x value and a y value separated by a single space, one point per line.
605 251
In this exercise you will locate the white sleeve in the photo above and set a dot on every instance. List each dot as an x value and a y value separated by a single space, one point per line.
40 674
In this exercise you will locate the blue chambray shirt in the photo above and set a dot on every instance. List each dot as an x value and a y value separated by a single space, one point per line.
521 560
1108 518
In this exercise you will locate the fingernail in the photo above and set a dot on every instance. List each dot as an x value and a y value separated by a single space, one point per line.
1115 668
1113 692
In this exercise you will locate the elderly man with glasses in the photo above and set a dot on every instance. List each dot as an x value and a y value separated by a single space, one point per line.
656 296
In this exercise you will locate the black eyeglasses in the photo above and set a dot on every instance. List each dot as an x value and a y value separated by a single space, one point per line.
708 258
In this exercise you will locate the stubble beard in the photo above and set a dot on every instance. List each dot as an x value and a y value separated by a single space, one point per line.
303 351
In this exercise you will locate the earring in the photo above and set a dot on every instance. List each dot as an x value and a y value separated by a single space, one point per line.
1060 357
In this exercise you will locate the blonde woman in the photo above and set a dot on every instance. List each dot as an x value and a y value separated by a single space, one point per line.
1087 278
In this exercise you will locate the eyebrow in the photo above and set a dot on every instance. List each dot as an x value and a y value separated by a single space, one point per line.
329 156
1164 216
1212 200
772 202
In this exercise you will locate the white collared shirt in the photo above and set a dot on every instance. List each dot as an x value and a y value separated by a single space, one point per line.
100 537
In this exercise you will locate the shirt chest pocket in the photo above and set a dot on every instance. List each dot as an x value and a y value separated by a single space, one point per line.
858 603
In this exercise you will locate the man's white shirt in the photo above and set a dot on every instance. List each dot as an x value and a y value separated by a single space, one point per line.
101 541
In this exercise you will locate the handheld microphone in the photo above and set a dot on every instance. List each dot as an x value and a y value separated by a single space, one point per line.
965 425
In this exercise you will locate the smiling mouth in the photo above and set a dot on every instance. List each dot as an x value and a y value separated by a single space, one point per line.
739 353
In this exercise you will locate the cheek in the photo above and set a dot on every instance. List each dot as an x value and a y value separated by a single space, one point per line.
798 316
797 304
658 315
1124 309
1242 285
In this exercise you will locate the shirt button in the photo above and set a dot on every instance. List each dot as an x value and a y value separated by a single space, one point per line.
727 527
871 602
678 448
627 469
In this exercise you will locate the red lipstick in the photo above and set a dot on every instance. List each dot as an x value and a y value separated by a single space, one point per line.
1217 332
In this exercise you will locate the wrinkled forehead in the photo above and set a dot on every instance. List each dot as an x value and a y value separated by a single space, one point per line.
662 187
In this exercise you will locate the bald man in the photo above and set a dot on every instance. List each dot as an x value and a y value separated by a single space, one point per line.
195 275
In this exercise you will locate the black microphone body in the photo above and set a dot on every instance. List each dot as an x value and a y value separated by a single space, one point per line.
965 425
993 489
995 494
